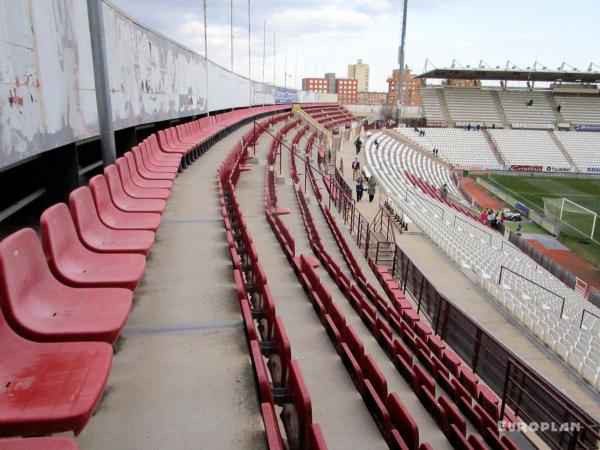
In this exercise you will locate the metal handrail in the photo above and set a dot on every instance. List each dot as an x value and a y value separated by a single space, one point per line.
503 268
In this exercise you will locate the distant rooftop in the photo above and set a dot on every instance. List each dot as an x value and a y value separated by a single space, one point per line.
485 73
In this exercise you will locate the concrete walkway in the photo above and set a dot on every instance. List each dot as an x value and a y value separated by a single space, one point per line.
182 378
336 404
448 279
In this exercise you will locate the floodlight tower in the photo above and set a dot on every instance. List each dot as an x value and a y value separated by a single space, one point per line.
399 87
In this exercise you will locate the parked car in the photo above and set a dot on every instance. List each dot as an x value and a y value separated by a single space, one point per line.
512 216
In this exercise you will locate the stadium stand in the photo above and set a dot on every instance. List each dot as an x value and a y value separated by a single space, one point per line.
466 149
529 147
431 105
520 115
579 110
559 316
389 328
54 385
583 148
472 105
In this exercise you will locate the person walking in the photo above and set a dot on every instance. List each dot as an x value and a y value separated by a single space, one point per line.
359 189
358 145
355 169
371 190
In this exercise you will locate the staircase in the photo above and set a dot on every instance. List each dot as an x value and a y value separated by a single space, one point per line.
500 109
564 151
493 146
415 146
554 106
299 113
444 107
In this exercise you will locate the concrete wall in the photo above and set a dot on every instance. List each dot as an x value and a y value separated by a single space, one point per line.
47 96
47 91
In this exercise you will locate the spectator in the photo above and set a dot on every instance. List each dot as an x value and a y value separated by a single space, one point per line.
359 189
484 216
478 127
444 192
558 108
342 166
376 144
371 190
469 127
355 169
358 145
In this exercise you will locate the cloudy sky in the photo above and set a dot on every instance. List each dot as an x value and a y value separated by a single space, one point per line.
325 36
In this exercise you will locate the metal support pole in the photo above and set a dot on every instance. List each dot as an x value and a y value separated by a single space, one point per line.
206 58
249 56
102 82
231 31
274 66
400 84
264 54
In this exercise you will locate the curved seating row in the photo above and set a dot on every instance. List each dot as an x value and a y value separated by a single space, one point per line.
65 300
419 355
279 380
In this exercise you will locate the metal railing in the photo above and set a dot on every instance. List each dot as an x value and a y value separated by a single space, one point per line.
506 269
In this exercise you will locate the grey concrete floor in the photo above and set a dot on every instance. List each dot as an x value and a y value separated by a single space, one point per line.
336 404
182 378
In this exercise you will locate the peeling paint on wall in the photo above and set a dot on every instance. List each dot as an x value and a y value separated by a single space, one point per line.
46 82
47 90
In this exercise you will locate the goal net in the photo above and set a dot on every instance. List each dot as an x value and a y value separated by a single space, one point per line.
576 220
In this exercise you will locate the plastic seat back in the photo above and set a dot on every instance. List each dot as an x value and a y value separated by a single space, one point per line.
22 267
83 210
59 237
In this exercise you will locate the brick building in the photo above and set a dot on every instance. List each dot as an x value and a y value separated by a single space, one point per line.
410 86
314 84
347 90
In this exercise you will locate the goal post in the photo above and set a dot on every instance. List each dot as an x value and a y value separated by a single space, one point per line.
575 219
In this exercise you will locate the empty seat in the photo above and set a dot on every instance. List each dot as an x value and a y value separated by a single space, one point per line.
49 388
43 443
98 237
128 161
77 266
124 201
41 308
133 189
113 217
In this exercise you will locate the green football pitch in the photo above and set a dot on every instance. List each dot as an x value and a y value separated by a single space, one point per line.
532 190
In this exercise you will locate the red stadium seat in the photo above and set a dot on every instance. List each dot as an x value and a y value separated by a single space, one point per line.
43 443
49 387
77 266
98 237
297 415
402 420
129 162
144 171
274 441
133 189
41 308
124 201
315 440
115 218
375 393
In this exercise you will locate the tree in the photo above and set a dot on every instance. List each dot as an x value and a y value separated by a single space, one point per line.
388 113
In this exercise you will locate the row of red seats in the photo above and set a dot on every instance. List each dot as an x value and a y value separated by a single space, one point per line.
64 301
420 341
398 428
280 380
